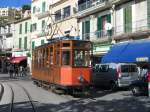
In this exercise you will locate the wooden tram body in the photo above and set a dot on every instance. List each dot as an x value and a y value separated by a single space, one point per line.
64 64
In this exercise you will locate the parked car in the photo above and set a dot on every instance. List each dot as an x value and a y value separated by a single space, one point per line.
114 75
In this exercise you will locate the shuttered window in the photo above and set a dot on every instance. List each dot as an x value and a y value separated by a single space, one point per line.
85 29
33 44
42 42
20 29
43 6
25 43
128 19
20 42
26 27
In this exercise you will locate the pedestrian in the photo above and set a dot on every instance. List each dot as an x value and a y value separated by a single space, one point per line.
16 71
11 70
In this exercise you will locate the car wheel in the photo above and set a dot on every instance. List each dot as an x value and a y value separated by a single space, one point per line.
136 91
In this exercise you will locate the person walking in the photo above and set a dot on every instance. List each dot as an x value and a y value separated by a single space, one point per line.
11 70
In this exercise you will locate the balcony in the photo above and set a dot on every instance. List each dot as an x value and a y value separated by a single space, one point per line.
92 6
137 29
41 15
98 36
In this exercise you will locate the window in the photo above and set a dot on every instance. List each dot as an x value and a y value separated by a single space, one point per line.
34 27
51 55
81 58
43 6
101 21
20 42
86 30
25 43
66 12
57 58
20 29
42 42
33 44
128 68
34 8
66 58
31 28
128 19
58 15
26 27
43 24
103 68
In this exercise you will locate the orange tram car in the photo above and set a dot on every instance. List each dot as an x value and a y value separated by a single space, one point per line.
63 65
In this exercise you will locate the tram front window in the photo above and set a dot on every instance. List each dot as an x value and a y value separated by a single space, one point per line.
81 58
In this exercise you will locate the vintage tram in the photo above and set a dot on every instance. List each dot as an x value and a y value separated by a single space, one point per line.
63 64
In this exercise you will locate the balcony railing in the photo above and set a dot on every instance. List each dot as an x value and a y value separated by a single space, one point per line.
89 4
137 28
97 35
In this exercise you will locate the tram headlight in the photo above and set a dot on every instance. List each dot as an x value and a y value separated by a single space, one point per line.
81 79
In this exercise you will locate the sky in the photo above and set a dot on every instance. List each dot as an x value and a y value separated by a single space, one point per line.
13 3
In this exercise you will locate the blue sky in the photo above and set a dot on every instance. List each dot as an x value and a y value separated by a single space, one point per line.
13 3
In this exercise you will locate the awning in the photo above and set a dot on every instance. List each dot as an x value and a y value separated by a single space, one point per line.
18 59
136 51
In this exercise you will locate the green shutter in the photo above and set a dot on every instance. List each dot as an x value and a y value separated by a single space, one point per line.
33 44
43 6
148 13
87 27
31 28
43 24
83 32
128 19
109 21
20 43
42 42
20 29
26 27
25 43
99 26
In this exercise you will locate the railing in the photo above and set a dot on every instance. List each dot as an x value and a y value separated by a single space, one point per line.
97 35
89 4
134 27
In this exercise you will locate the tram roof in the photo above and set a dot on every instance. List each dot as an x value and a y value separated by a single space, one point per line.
60 39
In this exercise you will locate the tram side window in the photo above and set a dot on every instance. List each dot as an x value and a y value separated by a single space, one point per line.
81 58
78 58
57 58
66 58
51 56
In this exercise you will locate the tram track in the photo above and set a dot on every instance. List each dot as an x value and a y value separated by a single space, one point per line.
12 103
1 91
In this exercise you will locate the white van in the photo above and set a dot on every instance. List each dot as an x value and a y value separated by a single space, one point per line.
114 75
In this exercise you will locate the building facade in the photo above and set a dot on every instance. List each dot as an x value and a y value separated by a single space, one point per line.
6 37
40 22
22 38
63 19
106 22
